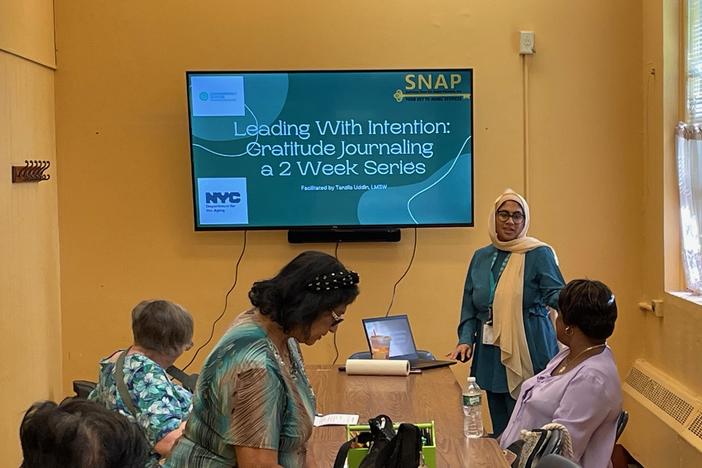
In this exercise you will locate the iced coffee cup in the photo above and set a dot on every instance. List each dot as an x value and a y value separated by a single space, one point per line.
380 346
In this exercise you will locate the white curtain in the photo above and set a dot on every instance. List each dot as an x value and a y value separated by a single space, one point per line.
688 149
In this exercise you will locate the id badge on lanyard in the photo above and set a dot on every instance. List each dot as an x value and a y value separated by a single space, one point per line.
488 331
488 334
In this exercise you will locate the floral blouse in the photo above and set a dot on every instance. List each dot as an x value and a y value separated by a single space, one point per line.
163 405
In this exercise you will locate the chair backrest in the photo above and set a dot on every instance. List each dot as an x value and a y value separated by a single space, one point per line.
621 423
189 381
556 461
83 388
422 354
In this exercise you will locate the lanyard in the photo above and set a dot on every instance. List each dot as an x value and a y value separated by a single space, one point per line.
493 282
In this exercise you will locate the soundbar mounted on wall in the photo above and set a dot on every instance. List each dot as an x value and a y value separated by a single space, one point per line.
302 236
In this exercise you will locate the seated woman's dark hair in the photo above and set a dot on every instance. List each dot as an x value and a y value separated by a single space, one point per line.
80 434
311 284
590 306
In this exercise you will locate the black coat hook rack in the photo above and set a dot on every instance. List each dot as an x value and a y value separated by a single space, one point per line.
32 171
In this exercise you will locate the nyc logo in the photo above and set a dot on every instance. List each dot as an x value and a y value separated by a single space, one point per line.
222 197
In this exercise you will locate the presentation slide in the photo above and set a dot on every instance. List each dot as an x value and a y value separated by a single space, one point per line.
331 149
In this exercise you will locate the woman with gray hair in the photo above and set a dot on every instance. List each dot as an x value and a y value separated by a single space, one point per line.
134 382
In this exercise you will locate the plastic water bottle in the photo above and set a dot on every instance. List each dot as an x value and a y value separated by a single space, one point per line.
472 411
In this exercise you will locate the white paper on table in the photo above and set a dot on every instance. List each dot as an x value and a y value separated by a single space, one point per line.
335 419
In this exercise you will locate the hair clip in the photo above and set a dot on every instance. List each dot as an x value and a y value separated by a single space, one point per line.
611 300
335 280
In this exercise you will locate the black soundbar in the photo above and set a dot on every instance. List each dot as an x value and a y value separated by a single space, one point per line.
303 236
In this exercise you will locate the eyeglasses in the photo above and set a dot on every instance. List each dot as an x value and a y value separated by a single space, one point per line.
517 217
337 319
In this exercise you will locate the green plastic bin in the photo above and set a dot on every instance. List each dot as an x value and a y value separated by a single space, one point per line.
356 454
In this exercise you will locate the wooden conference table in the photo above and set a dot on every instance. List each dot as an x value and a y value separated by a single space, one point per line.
433 395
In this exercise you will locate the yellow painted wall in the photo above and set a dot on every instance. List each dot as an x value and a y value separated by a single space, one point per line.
601 169
674 343
29 267
125 196
28 30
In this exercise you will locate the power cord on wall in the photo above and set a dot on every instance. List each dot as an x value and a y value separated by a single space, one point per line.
226 301
336 352
336 347
394 288
525 125
409 265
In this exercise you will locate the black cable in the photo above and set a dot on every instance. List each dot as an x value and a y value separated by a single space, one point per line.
336 347
336 350
409 265
226 300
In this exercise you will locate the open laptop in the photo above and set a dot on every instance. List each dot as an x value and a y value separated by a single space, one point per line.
402 342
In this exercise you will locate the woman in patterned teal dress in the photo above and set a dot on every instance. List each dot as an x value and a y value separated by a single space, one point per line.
162 332
254 405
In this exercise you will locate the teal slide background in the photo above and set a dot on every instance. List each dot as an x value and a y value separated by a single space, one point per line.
443 195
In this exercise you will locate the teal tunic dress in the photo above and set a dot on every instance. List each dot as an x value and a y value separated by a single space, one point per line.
248 396
542 284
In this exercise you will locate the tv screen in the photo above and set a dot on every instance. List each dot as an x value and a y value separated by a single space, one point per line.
331 149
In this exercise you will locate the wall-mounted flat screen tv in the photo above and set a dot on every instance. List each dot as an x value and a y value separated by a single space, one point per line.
331 149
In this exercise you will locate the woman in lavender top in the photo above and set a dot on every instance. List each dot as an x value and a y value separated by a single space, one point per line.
580 386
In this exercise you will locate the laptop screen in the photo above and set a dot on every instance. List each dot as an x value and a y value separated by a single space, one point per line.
398 328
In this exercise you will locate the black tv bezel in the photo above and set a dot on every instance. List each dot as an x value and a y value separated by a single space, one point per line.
324 227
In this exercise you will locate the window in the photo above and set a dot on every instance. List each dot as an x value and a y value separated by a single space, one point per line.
694 62
688 149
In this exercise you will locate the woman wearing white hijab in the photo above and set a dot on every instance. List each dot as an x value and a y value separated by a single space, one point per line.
504 323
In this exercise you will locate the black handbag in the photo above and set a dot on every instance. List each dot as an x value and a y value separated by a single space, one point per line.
535 444
386 448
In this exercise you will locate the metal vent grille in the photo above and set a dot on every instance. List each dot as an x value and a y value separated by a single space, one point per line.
696 426
637 379
669 402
